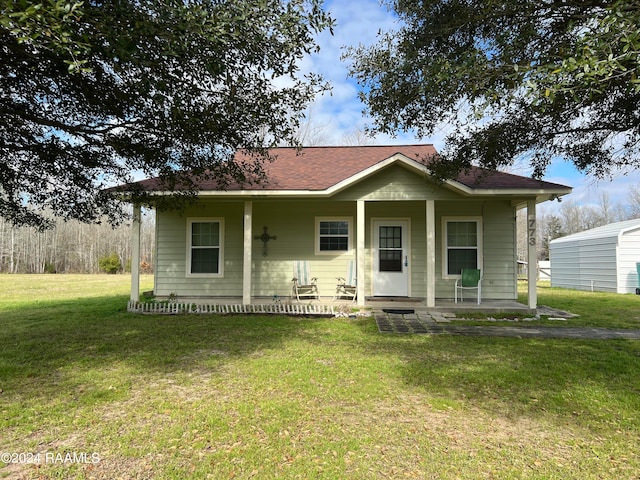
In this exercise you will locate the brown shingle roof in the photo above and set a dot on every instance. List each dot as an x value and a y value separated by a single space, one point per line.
320 168
490 179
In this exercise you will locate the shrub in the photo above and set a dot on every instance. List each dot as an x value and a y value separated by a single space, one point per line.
110 263
146 267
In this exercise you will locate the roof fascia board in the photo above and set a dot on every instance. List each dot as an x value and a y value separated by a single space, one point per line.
506 191
332 191
511 192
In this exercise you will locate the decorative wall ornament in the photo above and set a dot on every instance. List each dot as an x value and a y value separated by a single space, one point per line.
265 237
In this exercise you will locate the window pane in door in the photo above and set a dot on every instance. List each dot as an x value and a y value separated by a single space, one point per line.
390 249
390 261
390 237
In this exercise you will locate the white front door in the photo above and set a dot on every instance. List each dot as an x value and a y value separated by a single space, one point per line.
391 258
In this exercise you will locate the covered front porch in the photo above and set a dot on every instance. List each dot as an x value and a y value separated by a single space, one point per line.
252 269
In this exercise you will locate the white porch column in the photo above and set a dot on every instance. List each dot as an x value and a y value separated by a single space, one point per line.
360 253
135 253
431 254
246 264
532 253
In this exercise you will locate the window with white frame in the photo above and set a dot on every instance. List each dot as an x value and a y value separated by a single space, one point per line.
333 235
462 244
205 246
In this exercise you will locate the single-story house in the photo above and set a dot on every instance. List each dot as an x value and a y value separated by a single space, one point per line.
601 259
375 206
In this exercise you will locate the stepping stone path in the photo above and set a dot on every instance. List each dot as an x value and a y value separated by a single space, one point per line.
422 321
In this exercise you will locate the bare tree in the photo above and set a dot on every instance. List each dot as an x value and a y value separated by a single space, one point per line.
71 247
573 218
357 137
310 132
634 202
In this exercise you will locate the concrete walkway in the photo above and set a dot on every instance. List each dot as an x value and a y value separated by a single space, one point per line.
422 321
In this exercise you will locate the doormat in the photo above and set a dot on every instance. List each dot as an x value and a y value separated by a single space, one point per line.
394 299
399 311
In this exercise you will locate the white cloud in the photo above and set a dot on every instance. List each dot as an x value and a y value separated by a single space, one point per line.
357 22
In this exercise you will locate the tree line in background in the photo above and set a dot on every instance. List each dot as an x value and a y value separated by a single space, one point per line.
570 218
74 247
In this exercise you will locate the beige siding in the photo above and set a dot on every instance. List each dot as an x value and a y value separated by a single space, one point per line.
291 222
499 243
294 224
396 183
171 268
393 193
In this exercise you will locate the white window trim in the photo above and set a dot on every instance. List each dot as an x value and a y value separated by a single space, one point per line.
190 222
445 250
348 251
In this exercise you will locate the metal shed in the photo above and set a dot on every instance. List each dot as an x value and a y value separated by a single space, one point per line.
601 259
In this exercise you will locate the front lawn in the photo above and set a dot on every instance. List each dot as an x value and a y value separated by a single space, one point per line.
100 393
595 309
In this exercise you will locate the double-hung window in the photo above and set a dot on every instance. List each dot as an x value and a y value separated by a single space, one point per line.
333 235
205 246
462 244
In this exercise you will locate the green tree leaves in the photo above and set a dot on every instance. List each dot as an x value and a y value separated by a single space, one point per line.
535 78
94 92
50 24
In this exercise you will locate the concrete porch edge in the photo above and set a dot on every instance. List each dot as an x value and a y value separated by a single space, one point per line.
327 304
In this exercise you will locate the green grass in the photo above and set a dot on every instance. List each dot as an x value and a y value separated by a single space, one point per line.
594 309
275 397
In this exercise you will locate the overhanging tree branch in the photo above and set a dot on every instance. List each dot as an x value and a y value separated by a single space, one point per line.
144 85
545 69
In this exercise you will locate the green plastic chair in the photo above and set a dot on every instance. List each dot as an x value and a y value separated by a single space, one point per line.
470 279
